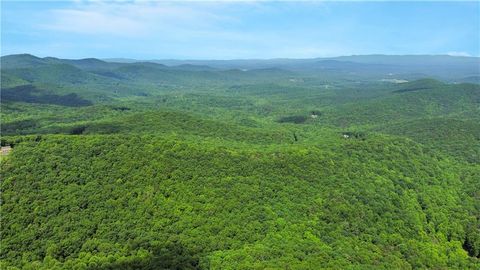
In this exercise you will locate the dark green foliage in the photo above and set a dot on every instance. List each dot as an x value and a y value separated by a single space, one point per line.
78 130
295 119
290 164
30 94
154 200
18 127
121 108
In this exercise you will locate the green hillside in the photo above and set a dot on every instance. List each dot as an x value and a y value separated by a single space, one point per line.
244 164
413 100
137 201
453 136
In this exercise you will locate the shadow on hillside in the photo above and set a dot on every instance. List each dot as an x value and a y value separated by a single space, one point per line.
18 126
31 94
173 256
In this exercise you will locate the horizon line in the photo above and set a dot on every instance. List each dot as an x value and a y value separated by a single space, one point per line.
237 59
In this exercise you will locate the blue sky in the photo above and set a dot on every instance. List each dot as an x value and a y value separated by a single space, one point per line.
233 30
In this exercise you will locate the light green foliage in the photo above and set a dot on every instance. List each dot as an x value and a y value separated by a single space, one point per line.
193 167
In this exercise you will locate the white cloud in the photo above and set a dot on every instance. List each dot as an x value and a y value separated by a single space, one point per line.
93 22
455 53
133 19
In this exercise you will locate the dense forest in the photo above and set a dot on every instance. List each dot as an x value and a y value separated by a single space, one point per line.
362 162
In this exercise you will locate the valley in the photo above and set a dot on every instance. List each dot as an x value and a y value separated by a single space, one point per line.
358 162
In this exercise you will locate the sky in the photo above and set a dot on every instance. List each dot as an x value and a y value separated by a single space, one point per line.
237 30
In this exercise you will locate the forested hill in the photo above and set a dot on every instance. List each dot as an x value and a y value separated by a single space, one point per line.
129 202
444 67
320 164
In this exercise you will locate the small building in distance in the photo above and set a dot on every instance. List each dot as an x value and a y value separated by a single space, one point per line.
5 150
315 114
354 135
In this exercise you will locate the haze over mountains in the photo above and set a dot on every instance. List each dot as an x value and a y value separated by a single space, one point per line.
452 68
434 65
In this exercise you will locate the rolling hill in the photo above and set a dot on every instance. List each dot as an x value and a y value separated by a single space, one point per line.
248 164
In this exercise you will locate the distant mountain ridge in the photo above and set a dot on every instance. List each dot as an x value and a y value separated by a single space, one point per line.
422 60
410 67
